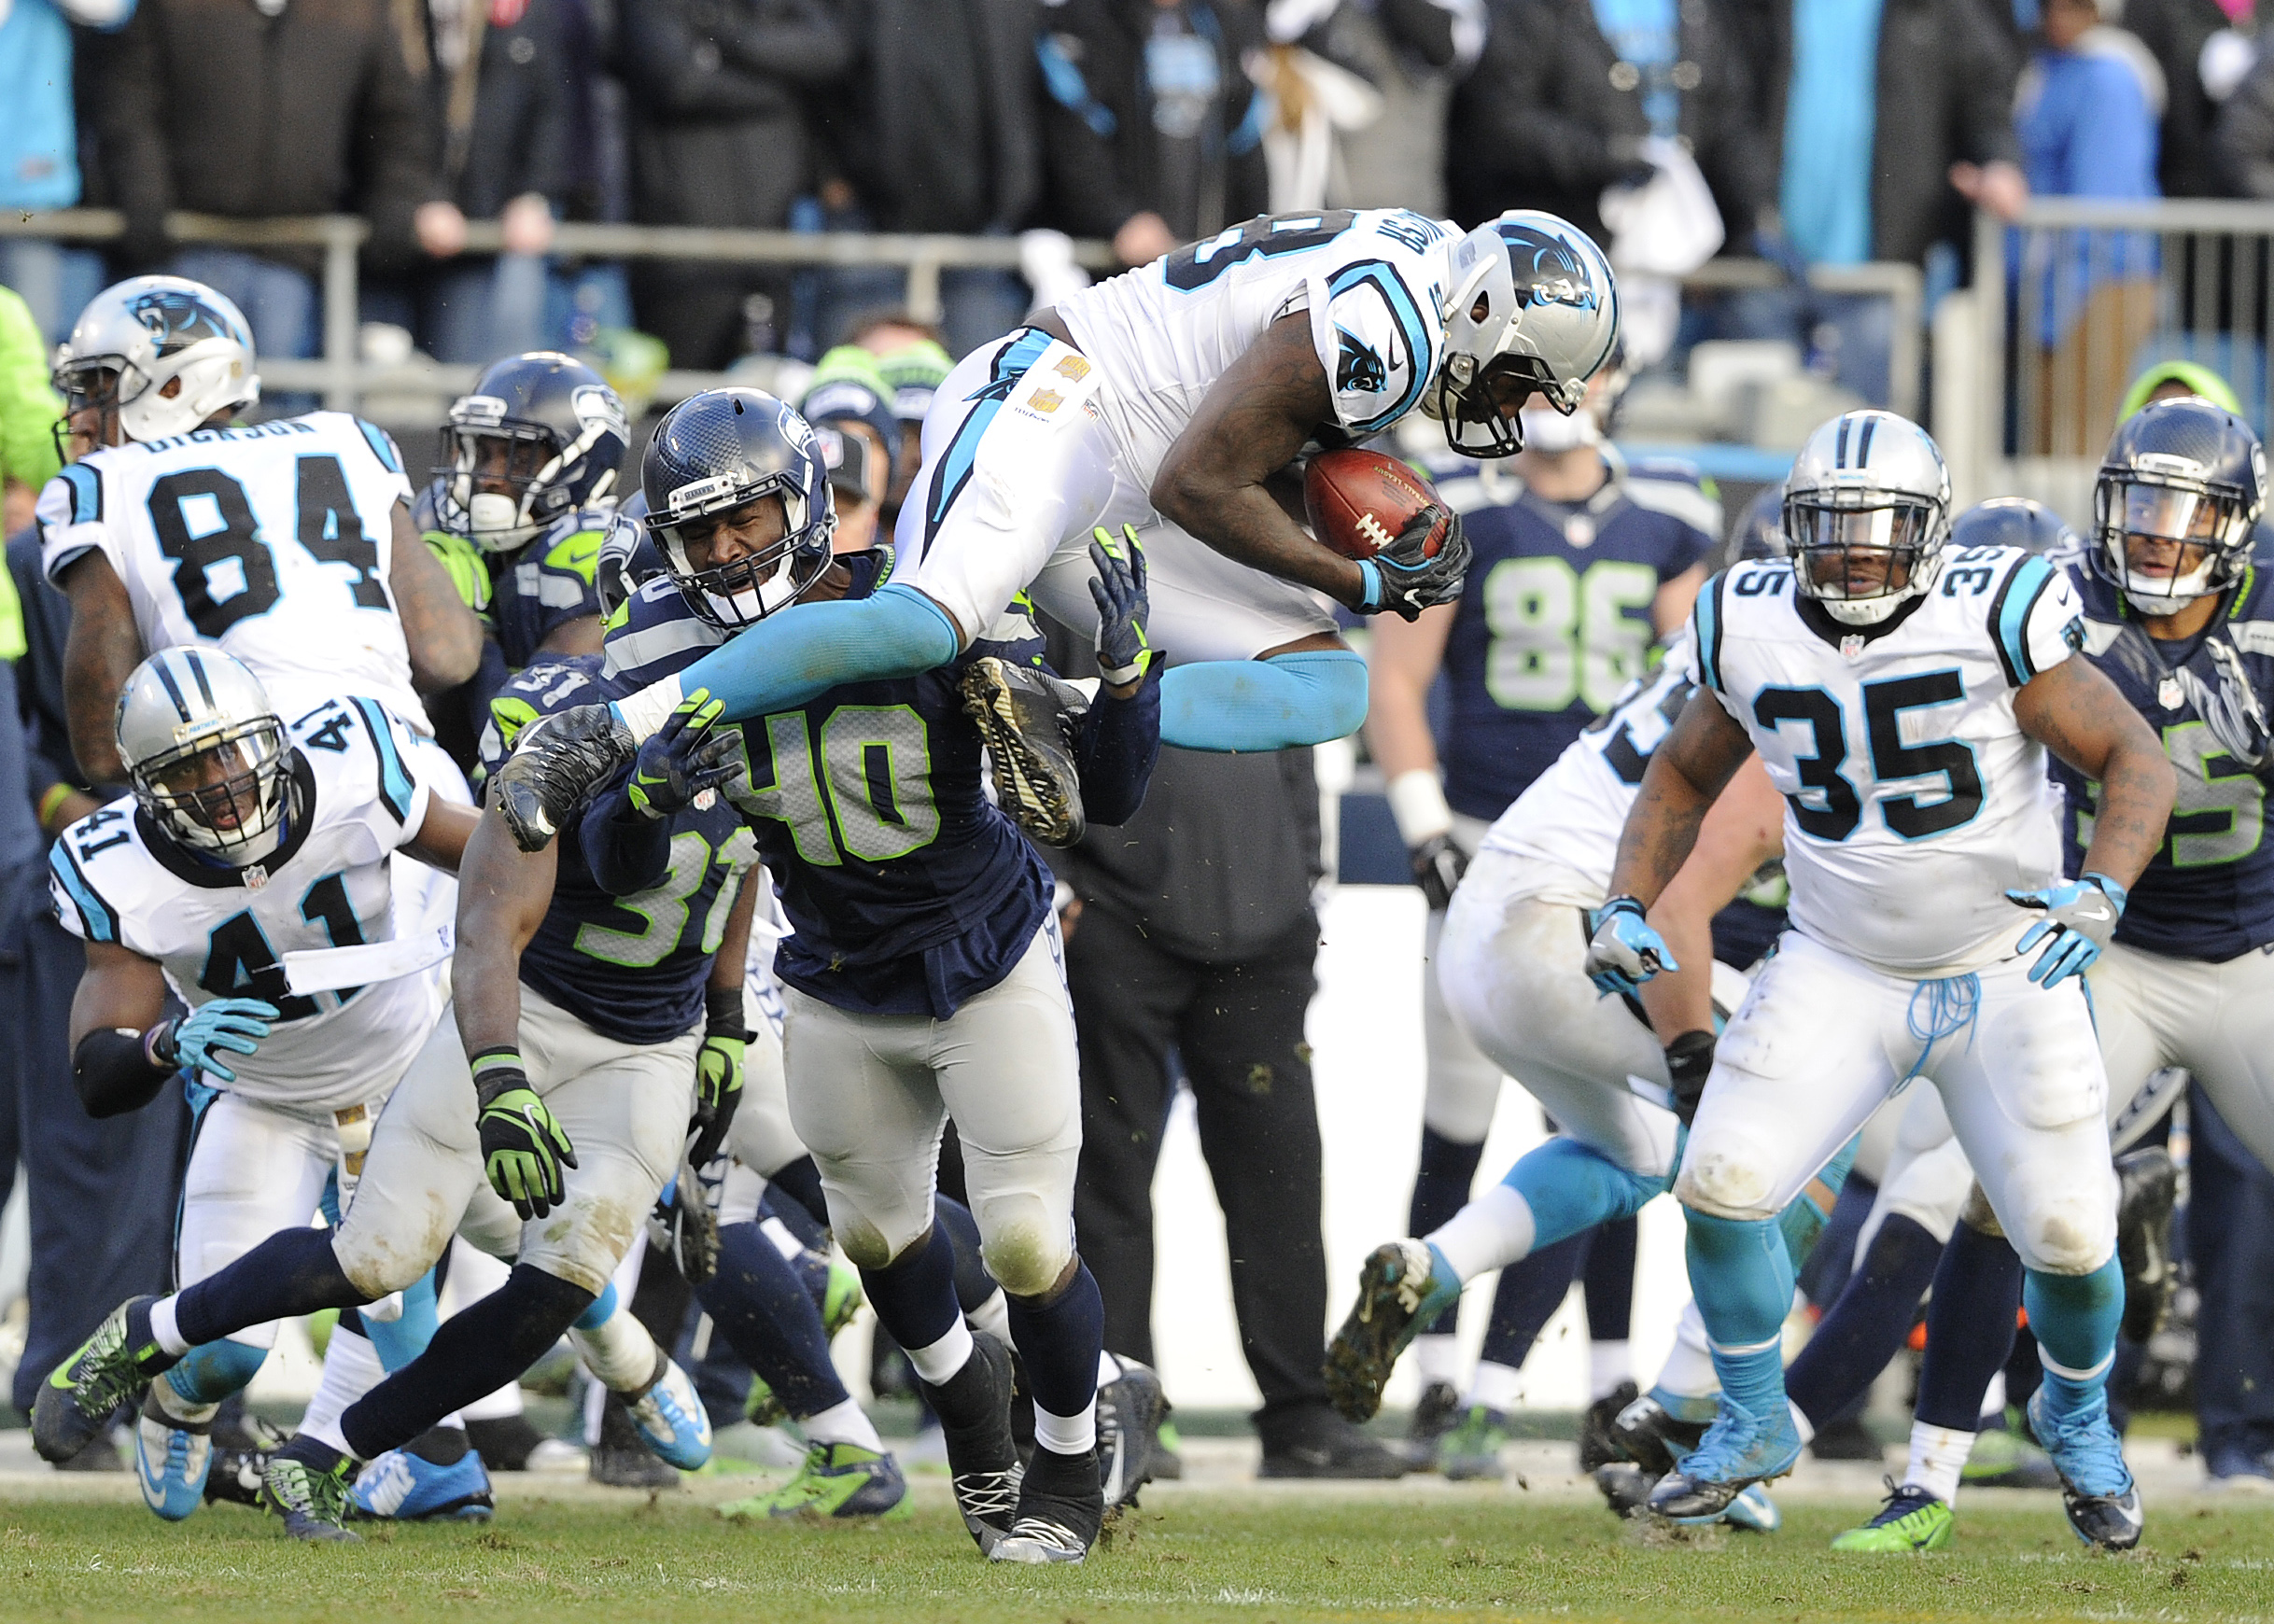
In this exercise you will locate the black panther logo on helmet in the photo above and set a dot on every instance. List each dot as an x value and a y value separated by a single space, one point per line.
176 320
1545 269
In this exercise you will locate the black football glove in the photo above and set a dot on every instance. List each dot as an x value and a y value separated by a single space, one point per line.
1688 1063
1119 591
1437 867
683 758
1401 580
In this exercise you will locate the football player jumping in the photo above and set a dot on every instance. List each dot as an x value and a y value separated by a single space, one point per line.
1903 700
1174 398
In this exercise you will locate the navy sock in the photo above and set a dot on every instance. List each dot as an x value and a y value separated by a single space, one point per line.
793 1195
293 1272
473 1354
760 1304
1441 1188
974 1285
915 1296
1608 1278
1970 1327
1530 1291
1059 1341
1867 1325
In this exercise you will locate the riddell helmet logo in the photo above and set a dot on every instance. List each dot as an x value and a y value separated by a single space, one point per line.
1546 270
176 320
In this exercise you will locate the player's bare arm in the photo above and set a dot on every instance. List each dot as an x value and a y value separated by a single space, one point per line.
503 893
728 964
2078 714
120 990
1253 421
1402 663
102 651
444 635
1686 775
442 838
584 634
1671 606
1745 828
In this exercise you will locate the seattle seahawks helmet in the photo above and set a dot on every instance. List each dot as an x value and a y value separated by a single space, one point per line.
1867 484
2191 475
140 335
206 753
722 451
2014 522
544 426
1532 309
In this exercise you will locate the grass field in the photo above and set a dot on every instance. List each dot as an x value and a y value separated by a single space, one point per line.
1255 1555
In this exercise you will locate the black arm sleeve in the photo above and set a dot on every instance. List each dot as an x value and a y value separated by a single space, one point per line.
1114 748
628 853
112 1074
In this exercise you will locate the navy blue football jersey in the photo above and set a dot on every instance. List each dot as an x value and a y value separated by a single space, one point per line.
2209 893
1555 619
539 588
632 968
906 889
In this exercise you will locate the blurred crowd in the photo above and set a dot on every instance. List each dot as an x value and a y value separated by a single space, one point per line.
1803 131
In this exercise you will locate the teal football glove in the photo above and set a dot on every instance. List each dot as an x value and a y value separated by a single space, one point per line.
2081 916
1623 951
682 758
524 1146
236 1025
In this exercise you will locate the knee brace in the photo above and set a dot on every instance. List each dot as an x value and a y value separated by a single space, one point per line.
211 1371
1264 705
1571 1187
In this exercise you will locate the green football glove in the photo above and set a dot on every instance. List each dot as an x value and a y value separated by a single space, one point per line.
717 1073
468 569
678 763
523 1147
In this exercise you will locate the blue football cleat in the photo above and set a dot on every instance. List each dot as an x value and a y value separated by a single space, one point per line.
172 1461
1754 1511
671 1420
2097 1488
1739 1450
407 1488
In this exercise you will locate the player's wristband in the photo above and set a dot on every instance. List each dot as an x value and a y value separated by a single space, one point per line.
496 1069
1417 803
1369 591
723 1014
1122 676
57 795
158 1049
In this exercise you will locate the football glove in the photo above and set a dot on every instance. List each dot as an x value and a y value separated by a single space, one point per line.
2081 916
718 1075
1623 951
468 568
683 758
1400 579
1437 867
524 1146
1119 591
1688 1063
236 1025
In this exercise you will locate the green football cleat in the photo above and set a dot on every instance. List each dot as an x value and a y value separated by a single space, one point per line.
837 1481
111 1368
306 1483
842 1299
1910 1520
1472 1449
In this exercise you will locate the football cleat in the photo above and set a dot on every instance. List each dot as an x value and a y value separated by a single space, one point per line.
840 1482
1912 1519
1061 1507
1739 1450
2005 1459
1129 1412
306 1483
236 1476
1597 1446
110 1369
1472 1449
1754 1512
1026 719
558 761
974 1407
1625 1487
2148 1192
408 1488
2097 1488
173 1460
1402 1286
1437 1412
671 1418
622 1460
1648 1432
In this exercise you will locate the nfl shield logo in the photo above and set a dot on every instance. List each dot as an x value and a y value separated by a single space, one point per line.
1851 646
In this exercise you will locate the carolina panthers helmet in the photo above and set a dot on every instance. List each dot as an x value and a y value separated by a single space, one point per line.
1872 482
2014 522
206 754
545 426
1532 308
139 335
2183 471
722 450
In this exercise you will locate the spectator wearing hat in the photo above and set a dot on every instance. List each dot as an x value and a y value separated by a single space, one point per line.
848 397
913 363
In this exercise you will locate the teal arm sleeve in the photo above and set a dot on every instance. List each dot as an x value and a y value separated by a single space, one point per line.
808 649
1259 704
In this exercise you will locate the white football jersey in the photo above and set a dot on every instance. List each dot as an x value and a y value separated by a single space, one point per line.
272 541
1372 279
1913 799
1572 815
356 797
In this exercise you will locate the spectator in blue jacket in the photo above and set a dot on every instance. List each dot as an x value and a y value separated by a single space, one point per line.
39 160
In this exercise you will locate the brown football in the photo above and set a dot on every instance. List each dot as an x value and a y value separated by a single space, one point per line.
1359 500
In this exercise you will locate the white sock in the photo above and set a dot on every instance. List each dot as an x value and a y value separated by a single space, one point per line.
646 711
177 1408
993 1316
1491 1232
620 1354
1608 1363
785 1240
496 1406
1438 1359
351 1369
1067 1435
842 1423
940 1360
1938 1456
1109 1368
1496 1386
1993 1396
1801 1423
1688 1371
164 1329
